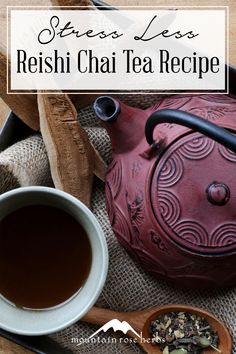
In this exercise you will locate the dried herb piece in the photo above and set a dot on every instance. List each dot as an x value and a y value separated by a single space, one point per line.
72 157
179 351
183 333
203 342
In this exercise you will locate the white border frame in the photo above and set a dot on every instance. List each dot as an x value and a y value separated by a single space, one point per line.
172 92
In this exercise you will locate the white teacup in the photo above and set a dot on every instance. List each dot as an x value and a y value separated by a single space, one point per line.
39 322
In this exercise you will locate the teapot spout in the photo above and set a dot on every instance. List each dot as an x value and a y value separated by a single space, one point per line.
106 108
122 123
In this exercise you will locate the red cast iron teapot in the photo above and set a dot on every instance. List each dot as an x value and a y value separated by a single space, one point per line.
171 186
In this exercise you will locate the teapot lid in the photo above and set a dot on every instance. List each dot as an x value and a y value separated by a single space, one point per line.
193 195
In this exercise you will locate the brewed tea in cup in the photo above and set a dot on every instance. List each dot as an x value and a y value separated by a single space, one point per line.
45 256
53 260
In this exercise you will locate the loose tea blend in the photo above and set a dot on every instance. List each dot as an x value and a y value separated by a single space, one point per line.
183 333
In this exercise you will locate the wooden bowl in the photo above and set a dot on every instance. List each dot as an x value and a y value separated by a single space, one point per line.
225 340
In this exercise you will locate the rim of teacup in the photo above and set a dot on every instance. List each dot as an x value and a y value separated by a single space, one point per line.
45 321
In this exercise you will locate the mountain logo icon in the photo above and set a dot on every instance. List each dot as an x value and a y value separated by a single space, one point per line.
116 325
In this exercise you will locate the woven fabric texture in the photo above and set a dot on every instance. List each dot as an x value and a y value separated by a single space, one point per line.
24 164
127 287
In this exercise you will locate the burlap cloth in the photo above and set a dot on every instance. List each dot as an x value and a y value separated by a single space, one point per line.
127 287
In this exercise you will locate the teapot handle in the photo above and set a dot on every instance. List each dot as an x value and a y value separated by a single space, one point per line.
191 121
